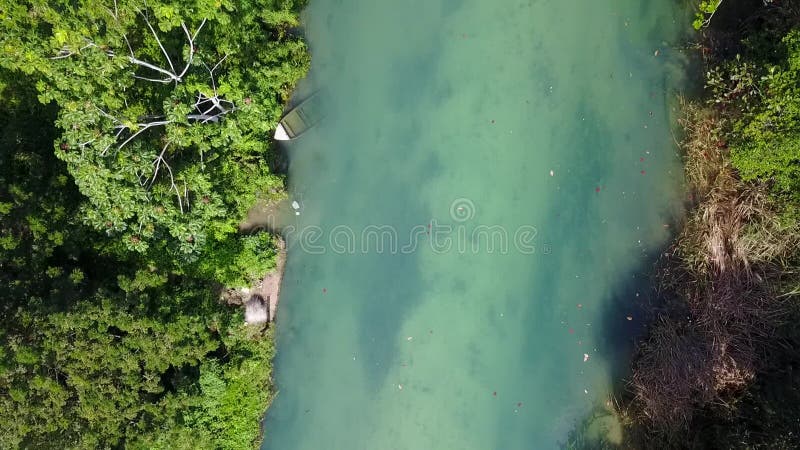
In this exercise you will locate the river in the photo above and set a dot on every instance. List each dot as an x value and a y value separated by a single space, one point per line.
479 211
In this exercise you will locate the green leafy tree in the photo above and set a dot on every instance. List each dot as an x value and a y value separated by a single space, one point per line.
166 108
38 202
133 369
112 332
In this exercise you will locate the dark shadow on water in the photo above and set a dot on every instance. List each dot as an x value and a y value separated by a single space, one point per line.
630 310
388 298
573 235
577 239
277 158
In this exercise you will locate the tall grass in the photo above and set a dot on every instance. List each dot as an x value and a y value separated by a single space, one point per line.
731 274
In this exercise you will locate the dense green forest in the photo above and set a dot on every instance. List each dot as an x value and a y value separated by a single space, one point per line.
720 366
134 137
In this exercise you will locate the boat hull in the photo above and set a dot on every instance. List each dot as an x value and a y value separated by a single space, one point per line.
280 133
300 119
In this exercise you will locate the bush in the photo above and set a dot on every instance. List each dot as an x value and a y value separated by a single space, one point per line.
763 101
240 261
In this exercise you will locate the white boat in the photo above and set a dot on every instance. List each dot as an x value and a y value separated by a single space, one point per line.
300 119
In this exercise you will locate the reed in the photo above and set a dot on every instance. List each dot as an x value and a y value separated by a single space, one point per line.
730 276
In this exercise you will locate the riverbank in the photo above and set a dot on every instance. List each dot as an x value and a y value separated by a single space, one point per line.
715 369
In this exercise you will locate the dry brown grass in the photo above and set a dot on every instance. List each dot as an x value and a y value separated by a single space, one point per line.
672 370
726 270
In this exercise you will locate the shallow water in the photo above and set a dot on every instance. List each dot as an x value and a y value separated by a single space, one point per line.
478 208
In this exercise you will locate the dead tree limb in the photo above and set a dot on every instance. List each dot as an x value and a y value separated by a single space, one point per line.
171 75
142 127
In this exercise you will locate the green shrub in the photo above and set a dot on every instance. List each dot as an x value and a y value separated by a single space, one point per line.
763 102
239 261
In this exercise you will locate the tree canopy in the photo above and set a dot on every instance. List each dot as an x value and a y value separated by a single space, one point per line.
133 138
165 108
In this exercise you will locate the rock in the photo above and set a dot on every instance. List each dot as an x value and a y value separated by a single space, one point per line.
256 310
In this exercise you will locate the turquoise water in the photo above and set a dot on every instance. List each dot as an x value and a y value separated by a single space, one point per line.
478 208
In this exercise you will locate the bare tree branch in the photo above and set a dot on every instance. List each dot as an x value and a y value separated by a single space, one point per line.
159 159
158 162
143 127
173 186
208 109
191 45
114 119
218 63
707 21
186 193
165 81
155 35
170 75
63 53
140 176
84 144
221 105
198 30
177 193
128 43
